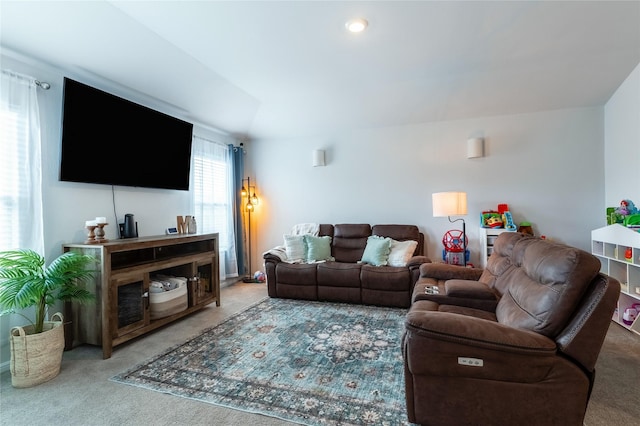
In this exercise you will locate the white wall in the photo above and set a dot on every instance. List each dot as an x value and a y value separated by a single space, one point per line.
547 166
622 143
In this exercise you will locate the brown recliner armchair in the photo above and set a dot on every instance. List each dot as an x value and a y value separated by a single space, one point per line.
515 344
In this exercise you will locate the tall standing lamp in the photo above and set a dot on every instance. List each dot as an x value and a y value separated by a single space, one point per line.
447 204
248 192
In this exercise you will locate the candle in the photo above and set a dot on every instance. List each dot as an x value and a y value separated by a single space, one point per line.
90 223
101 219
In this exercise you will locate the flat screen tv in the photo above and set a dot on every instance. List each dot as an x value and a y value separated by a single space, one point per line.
110 140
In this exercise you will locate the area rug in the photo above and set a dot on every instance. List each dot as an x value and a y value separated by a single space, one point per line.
312 363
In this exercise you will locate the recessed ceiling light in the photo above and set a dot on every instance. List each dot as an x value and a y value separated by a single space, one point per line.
356 25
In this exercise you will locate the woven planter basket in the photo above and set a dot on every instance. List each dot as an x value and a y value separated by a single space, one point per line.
36 358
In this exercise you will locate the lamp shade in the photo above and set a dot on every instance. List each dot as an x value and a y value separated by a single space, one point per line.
449 203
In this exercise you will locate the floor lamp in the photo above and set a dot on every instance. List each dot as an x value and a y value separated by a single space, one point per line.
452 204
249 192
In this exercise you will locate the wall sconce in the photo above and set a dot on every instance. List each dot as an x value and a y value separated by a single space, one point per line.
318 158
475 147
452 204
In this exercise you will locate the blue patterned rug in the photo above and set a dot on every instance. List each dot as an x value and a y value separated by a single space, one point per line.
313 363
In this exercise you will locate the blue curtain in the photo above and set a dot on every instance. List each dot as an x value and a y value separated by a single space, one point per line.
237 154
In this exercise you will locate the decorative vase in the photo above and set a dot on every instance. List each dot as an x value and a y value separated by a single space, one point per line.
36 358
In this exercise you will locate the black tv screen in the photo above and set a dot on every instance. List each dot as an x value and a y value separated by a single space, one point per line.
110 140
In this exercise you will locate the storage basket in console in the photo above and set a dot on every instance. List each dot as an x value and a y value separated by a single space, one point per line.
167 296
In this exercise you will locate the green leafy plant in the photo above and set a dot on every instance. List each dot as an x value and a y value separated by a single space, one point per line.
26 282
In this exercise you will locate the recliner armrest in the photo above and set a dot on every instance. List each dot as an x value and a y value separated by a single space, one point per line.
443 271
469 289
476 332
452 345
416 261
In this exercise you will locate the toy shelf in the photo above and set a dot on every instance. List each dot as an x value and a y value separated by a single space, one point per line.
488 237
618 249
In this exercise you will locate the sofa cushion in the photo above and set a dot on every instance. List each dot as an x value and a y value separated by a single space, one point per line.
338 274
296 274
387 278
500 260
317 248
349 241
377 251
544 286
401 252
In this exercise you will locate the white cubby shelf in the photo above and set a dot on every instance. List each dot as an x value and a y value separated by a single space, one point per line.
618 249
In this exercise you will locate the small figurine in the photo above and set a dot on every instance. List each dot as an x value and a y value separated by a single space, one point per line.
494 222
628 254
630 314
491 219
525 228
508 221
626 208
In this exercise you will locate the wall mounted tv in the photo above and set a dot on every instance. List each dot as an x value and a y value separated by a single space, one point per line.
110 140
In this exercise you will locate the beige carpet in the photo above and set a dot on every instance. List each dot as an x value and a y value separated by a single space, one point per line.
83 394
614 400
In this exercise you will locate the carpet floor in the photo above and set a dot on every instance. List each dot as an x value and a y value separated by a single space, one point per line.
314 363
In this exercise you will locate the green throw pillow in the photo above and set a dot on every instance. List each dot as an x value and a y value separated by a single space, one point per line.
317 248
377 251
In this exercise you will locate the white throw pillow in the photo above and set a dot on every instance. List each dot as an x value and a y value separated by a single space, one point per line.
294 247
401 252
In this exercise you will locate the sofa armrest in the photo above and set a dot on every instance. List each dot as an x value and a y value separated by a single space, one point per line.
414 267
469 289
416 261
443 271
477 332
453 345
276 255
268 257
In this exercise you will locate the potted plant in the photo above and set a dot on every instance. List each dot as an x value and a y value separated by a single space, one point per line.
36 349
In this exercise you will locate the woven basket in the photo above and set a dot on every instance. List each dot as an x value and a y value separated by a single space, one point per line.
36 358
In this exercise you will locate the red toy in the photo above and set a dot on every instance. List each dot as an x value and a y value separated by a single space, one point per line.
454 252
452 241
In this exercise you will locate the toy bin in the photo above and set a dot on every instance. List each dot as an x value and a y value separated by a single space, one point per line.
167 296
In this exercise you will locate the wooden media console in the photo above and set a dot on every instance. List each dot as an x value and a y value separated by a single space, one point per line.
126 269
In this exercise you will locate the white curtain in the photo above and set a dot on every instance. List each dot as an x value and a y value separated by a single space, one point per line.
21 170
212 198
20 180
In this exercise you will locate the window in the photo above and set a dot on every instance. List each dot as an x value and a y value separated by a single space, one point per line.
212 193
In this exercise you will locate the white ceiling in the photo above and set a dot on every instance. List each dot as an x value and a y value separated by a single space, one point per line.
273 69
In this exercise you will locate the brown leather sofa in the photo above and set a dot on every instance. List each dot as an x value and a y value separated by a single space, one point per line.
346 280
514 344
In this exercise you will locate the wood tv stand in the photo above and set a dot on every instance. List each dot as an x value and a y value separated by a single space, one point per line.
121 286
